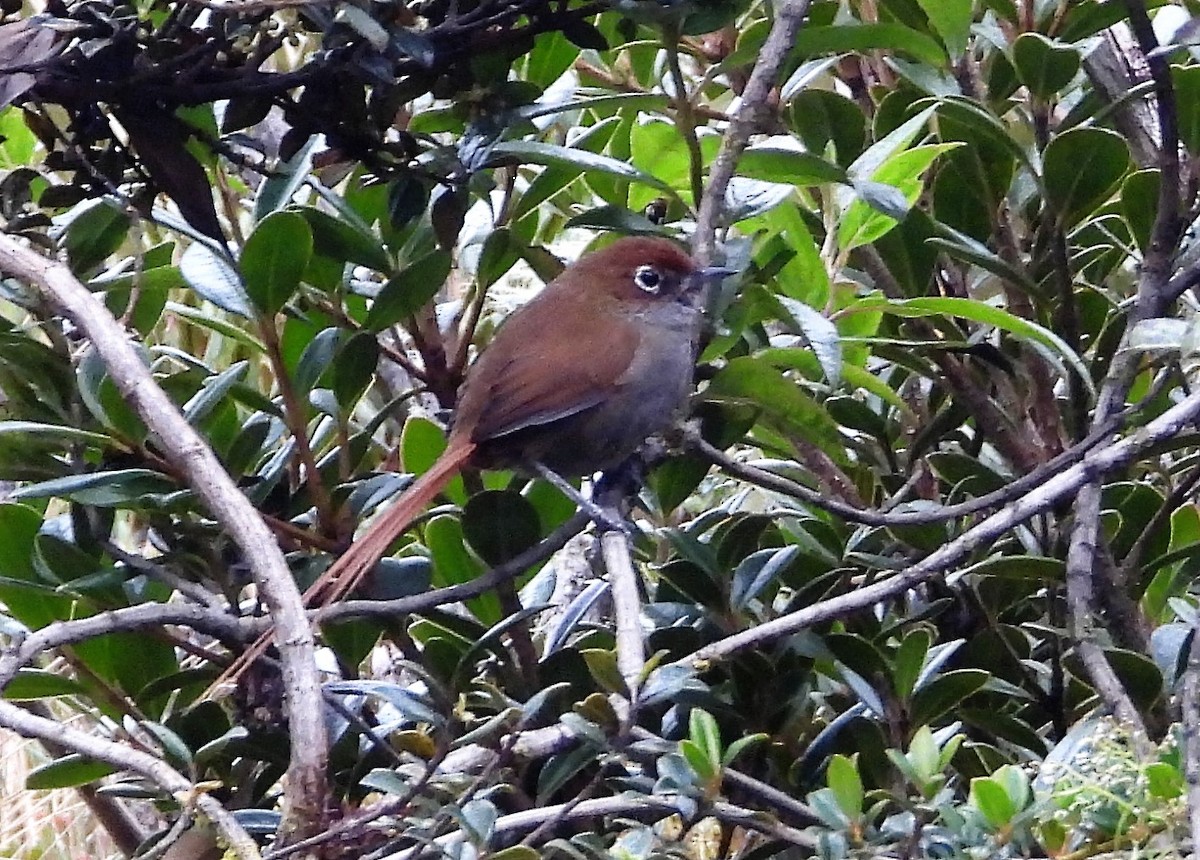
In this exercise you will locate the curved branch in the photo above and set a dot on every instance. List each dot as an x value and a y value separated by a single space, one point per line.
638 807
127 618
1051 493
938 514
306 786
154 769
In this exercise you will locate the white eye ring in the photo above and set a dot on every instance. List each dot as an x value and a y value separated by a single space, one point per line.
647 279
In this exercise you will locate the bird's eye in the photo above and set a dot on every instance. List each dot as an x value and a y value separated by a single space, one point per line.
647 278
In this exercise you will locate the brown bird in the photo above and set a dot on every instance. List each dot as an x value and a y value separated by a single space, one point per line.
574 380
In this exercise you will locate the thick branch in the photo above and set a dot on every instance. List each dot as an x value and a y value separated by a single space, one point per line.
747 119
305 790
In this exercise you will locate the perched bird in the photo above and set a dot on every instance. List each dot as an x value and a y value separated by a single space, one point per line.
575 380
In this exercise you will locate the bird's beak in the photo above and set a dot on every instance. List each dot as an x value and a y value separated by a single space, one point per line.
702 278
712 274
700 284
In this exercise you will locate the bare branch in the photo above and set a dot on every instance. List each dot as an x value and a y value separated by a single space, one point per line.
926 516
137 617
305 787
1049 494
627 607
152 768
1082 561
747 119
1153 296
640 807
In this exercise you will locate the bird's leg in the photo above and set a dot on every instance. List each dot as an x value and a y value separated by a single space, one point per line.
607 518
619 485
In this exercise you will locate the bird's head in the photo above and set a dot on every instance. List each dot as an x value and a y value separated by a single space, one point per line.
645 269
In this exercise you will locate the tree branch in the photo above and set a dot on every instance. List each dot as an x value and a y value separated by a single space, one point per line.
747 119
1049 494
152 768
305 788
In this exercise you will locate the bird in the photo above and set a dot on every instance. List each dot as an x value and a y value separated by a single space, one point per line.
573 381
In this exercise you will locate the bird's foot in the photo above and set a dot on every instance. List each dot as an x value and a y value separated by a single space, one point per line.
607 518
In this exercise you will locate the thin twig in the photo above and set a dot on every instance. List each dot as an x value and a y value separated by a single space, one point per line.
685 117
926 516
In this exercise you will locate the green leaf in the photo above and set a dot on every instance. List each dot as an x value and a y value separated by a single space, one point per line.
822 335
962 247
1164 780
31 684
756 571
104 489
909 660
870 217
783 406
824 804
844 781
940 695
53 434
820 117
979 312
697 760
500 525
479 820
1187 105
274 260
893 143
1139 203
213 279
704 732
952 21
213 392
990 798
454 564
1042 65
354 368
346 240
536 152
737 747
1083 167
278 188
618 219
803 276
95 233
602 665
865 38
788 166
646 101
500 253
924 757
1034 567
408 291
69 771
515 852
214 323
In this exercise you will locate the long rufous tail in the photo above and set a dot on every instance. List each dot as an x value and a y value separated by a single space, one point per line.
362 556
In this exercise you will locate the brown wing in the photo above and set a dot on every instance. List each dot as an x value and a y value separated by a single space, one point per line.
550 359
